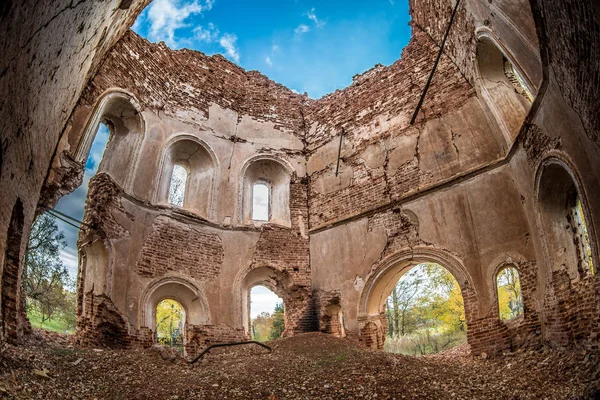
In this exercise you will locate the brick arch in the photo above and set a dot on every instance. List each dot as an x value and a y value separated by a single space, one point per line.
278 281
379 284
203 169
277 173
176 288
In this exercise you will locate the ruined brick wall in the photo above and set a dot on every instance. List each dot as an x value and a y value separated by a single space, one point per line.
570 39
59 44
200 337
572 310
328 310
171 81
384 159
173 246
379 103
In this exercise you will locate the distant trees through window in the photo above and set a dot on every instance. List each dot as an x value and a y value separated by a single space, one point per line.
266 314
425 312
510 301
170 324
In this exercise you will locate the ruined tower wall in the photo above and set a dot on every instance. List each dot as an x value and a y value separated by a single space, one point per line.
384 158
235 120
49 51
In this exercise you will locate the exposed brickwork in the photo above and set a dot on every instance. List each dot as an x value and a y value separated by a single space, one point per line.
389 91
11 294
401 232
574 56
200 337
176 247
146 70
102 324
375 108
328 308
103 198
526 330
433 15
536 143
373 331
572 310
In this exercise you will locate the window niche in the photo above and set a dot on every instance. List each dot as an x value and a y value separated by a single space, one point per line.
266 193
503 86
118 111
188 169
510 300
563 219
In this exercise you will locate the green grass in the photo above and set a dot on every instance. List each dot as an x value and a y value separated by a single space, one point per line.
54 324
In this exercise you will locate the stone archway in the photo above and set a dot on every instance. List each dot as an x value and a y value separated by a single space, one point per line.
378 285
179 289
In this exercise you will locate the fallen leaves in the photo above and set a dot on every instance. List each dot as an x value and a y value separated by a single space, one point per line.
309 366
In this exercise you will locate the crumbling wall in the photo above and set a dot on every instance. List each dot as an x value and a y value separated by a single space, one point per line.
383 157
570 42
59 45
172 246
187 93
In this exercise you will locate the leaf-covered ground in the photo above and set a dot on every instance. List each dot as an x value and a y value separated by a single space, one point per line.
309 366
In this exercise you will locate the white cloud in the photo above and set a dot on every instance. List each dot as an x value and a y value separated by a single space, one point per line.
166 16
268 61
70 261
227 41
262 300
301 29
275 48
313 17
208 34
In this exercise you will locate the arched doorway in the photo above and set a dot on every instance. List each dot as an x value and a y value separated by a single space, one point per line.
379 285
170 324
425 312
180 300
266 314
271 279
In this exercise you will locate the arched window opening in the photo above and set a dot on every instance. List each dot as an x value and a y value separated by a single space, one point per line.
581 237
265 193
514 77
170 324
510 301
266 314
425 312
51 260
563 217
261 201
503 87
186 175
177 186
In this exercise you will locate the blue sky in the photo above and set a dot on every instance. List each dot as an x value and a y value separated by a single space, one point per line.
309 46
73 204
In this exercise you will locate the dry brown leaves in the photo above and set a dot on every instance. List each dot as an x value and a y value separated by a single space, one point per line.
309 366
